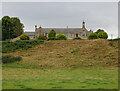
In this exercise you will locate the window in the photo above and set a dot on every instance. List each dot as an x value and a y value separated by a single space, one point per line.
46 34
83 34
72 35
86 34
31 37
66 34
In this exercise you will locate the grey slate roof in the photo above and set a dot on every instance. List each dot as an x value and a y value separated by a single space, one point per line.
62 30
59 30
30 33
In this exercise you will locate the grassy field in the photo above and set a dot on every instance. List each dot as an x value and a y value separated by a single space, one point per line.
64 64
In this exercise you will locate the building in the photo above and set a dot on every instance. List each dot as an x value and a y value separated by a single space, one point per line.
69 32
31 34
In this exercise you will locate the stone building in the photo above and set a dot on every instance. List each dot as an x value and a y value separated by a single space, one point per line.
69 32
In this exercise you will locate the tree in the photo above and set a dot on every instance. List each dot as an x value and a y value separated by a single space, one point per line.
99 30
11 27
7 28
0 30
17 26
92 36
52 33
103 35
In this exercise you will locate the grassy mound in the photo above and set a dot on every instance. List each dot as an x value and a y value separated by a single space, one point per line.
71 53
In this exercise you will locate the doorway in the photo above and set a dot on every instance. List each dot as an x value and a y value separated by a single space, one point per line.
77 35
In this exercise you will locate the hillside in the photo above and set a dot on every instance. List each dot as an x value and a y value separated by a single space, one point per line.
71 53
64 64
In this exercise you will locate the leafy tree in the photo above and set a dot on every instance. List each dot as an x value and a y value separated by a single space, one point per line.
92 36
11 27
103 35
17 26
99 30
0 30
52 33
7 28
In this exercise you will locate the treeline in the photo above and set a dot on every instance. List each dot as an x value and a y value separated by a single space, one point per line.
11 27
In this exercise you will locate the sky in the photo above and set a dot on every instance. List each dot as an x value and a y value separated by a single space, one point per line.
103 15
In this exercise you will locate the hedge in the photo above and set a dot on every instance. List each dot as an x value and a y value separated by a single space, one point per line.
51 38
9 59
19 44
77 38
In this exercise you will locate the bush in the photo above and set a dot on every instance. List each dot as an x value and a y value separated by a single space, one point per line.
99 30
9 59
51 38
42 37
19 44
77 38
24 37
61 37
92 36
52 33
103 35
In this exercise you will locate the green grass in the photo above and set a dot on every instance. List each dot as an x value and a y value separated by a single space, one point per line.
64 64
117 39
59 78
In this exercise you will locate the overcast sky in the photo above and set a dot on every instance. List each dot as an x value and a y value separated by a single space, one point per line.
62 14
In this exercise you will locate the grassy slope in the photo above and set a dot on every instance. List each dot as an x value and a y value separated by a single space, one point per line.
77 64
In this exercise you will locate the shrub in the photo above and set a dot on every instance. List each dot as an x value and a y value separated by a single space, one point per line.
103 35
99 30
61 37
92 36
36 37
9 59
51 38
19 44
52 33
24 37
42 37
77 38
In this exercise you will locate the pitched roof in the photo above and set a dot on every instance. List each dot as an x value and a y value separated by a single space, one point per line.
30 33
61 30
